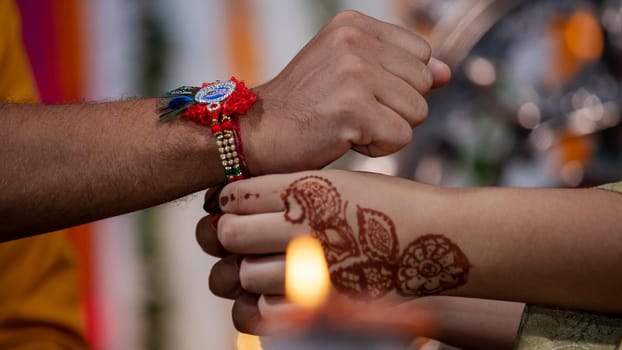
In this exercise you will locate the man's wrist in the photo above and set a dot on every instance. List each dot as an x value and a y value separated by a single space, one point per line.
250 126
216 105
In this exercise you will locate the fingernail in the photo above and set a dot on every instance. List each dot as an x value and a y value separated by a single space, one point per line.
211 200
215 219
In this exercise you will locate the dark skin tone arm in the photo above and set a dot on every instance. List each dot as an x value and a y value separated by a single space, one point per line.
121 160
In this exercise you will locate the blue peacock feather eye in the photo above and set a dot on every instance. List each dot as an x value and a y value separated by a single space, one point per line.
179 102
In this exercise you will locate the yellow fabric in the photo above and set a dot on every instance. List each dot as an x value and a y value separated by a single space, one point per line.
39 305
16 81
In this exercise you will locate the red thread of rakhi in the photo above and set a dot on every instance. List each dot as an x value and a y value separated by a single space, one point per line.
239 145
221 118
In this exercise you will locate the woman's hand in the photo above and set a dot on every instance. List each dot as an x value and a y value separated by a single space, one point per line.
388 239
376 247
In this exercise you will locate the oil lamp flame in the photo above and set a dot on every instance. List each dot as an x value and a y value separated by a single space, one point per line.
307 283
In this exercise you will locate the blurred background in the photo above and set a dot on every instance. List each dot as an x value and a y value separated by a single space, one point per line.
535 102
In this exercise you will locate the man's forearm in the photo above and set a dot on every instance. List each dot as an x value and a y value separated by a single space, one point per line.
58 170
554 247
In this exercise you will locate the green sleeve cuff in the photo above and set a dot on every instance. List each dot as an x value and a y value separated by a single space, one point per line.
553 328
614 187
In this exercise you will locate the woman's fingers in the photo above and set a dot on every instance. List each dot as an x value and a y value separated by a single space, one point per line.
224 278
246 315
235 274
261 315
263 275
257 234
212 195
207 236
255 195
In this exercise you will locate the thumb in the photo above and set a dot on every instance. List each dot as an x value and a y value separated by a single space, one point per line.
440 71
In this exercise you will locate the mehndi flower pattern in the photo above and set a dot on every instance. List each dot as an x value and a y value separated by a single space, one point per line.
372 266
430 265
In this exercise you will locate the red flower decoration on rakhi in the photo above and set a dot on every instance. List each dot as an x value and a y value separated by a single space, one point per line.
216 105
210 102
240 100
200 114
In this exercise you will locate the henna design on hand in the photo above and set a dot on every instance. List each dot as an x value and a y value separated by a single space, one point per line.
377 235
317 201
430 265
376 269
224 200
367 279
372 266
231 198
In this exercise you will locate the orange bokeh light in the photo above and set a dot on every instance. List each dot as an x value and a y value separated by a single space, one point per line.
583 36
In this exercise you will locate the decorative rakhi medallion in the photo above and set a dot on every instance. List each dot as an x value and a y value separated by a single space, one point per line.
215 92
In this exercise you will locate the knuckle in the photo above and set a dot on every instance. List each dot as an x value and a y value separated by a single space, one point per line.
420 111
426 50
427 79
343 107
351 66
347 37
346 17
403 136
356 136
342 112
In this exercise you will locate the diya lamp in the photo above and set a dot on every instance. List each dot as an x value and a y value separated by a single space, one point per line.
321 322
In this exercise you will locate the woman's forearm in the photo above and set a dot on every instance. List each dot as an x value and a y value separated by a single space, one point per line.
551 246
470 323
58 170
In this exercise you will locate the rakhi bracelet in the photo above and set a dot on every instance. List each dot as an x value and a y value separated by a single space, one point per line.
228 151
238 144
216 105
